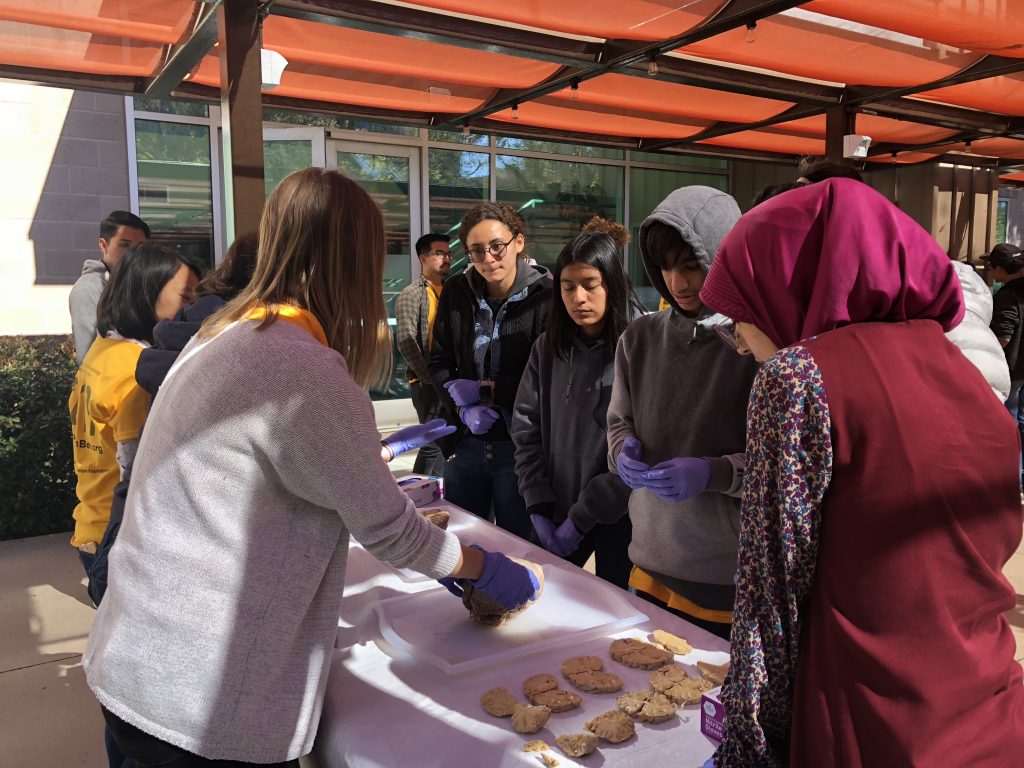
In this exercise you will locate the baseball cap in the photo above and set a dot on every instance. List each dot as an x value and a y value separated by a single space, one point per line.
1005 255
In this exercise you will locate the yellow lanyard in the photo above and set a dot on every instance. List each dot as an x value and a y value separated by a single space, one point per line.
301 318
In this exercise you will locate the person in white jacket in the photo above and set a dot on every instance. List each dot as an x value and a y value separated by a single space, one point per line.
974 337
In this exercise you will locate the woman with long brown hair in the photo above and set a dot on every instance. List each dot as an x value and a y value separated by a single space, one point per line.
258 460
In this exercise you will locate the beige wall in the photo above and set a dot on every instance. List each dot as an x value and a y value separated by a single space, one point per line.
926 192
63 158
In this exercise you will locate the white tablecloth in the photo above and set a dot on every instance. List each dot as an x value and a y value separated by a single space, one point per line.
385 712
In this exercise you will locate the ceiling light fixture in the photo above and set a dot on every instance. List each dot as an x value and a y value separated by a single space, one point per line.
574 90
652 65
751 35
515 111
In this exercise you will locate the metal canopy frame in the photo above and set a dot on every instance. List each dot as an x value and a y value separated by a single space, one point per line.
186 56
579 60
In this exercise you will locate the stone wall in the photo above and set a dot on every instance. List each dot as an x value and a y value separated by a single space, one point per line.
65 166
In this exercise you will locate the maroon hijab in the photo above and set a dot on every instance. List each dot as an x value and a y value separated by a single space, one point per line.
827 255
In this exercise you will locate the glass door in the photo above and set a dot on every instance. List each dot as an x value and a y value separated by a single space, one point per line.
286 150
391 175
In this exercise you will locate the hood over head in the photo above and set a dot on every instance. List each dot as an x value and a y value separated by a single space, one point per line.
702 216
827 255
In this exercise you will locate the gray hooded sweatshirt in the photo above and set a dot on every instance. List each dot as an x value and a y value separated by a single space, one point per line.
682 392
83 300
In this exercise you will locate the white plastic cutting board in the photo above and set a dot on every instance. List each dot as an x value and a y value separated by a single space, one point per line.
435 627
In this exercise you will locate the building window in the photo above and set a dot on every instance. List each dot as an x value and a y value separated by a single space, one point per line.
175 191
557 198
458 181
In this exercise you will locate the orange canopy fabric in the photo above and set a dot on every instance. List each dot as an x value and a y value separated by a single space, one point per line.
424 62
995 27
1010 149
629 20
904 158
558 115
813 49
1000 147
770 140
1002 95
28 45
807 135
338 86
153 21
911 43
634 93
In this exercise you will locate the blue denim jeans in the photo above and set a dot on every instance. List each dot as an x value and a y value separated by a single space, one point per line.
481 476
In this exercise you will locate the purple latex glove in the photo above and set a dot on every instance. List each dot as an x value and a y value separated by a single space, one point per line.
678 479
561 541
629 465
463 391
505 581
416 436
710 763
452 585
479 418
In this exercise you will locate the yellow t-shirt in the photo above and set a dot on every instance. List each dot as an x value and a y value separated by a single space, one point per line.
107 407
433 296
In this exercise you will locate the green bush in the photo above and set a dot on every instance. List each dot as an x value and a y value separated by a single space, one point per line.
37 472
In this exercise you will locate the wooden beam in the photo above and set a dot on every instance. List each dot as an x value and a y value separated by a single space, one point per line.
239 45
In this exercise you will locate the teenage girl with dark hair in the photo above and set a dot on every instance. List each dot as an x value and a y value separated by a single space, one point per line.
487 321
577 506
169 337
108 407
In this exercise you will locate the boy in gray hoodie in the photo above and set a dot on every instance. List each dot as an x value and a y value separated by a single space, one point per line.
677 419
120 231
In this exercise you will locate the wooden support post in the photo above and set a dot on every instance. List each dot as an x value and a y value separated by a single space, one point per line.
239 45
838 123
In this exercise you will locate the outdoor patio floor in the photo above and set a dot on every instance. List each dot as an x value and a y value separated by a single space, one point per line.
48 717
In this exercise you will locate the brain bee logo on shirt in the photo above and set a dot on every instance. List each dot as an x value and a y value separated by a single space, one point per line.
82 408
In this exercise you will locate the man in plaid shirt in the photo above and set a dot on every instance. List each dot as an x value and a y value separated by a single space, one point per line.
415 310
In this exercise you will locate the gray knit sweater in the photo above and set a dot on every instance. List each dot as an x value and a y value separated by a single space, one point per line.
259 458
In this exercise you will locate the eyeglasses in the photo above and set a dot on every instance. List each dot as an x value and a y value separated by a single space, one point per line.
727 333
441 254
497 250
